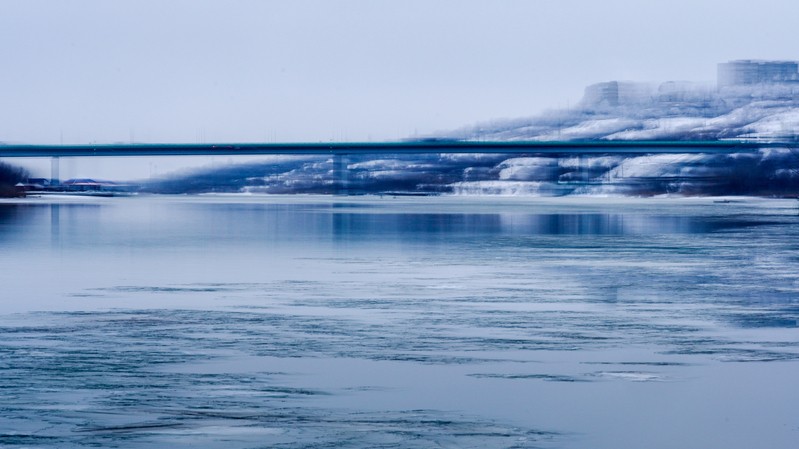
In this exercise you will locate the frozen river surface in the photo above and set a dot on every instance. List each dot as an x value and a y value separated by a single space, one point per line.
292 322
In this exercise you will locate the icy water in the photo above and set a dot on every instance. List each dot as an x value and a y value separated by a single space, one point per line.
292 322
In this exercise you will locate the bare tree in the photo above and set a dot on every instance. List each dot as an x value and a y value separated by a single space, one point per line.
10 176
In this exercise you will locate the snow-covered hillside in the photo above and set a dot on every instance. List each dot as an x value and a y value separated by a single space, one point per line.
609 111
683 112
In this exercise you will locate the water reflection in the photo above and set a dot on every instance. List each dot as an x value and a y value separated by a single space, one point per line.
377 224
15 219
11 214
146 222
55 224
31 225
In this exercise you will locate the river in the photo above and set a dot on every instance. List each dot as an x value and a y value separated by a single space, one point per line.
350 322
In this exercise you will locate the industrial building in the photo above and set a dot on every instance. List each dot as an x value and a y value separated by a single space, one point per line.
749 72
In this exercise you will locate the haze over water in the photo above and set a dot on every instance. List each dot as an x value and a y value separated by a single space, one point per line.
302 321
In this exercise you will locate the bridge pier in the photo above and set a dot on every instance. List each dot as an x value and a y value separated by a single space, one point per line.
341 174
54 170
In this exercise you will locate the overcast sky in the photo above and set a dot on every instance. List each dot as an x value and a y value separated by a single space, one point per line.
316 70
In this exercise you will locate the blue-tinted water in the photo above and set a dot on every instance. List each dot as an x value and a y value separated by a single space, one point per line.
253 322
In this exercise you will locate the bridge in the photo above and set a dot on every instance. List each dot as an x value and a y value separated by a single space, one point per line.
341 150
431 146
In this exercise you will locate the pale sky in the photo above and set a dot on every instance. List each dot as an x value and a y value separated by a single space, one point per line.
83 71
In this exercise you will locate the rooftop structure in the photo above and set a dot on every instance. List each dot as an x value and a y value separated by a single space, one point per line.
617 93
749 72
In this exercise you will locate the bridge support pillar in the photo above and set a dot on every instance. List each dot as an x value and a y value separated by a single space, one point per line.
340 174
54 171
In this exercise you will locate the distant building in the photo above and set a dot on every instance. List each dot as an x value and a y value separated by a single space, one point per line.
739 83
36 184
683 92
93 185
749 72
617 93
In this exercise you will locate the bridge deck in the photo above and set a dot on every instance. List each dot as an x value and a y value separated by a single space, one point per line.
409 147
